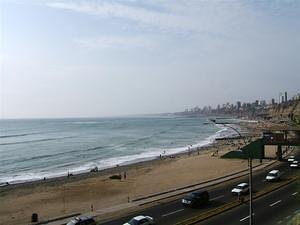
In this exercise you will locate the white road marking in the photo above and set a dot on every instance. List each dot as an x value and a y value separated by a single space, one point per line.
215 198
288 217
295 193
275 203
244 218
280 221
168 214
247 217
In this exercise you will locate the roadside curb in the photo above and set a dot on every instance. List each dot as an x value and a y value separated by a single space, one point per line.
215 181
147 199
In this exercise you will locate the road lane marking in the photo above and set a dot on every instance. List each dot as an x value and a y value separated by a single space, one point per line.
275 203
171 213
215 198
288 217
247 217
295 193
280 221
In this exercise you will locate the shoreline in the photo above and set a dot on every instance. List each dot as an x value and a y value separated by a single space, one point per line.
116 169
200 146
59 196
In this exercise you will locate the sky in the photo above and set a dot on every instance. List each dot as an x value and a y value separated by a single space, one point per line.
126 57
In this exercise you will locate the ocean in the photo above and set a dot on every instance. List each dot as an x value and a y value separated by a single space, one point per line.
31 149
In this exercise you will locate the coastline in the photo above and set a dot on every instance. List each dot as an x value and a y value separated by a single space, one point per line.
204 145
91 153
57 196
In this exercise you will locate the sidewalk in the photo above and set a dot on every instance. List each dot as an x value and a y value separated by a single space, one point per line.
136 203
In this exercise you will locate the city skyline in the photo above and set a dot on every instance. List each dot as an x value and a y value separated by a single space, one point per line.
104 58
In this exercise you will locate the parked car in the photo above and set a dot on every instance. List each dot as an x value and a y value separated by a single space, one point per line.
240 189
82 220
196 198
140 220
295 164
273 175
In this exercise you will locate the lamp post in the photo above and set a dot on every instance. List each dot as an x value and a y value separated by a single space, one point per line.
250 171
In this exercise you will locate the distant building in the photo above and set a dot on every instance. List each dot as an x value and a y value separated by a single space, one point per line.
263 103
285 96
238 104
273 101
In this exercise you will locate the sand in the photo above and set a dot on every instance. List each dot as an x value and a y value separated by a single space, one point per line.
53 198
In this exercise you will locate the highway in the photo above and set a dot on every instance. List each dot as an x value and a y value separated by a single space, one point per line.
173 211
275 208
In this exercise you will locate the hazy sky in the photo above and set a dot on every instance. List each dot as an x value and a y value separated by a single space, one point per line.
122 57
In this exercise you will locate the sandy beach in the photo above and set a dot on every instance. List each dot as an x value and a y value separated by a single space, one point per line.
56 197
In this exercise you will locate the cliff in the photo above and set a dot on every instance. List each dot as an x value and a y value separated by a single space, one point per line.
288 111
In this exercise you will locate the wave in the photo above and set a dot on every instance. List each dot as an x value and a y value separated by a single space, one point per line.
109 162
35 141
147 154
83 122
18 135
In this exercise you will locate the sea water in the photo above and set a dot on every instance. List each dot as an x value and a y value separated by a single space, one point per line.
31 149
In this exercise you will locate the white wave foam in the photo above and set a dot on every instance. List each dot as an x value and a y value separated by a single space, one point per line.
147 154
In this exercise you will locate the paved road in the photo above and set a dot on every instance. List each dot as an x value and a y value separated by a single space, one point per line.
172 212
275 208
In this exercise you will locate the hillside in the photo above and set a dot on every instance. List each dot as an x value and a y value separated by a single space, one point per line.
288 111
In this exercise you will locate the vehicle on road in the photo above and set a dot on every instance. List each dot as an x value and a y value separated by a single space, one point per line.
140 220
195 199
295 164
240 189
273 175
82 220
291 158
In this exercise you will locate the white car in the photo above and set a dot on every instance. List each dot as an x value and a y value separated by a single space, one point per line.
140 220
291 158
240 189
295 164
273 175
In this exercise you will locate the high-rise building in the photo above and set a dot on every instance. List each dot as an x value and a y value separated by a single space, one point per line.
273 101
238 104
285 96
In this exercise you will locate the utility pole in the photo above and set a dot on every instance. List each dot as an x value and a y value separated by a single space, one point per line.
250 191
250 171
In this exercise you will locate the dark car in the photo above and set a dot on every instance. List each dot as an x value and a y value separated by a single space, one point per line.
82 220
196 198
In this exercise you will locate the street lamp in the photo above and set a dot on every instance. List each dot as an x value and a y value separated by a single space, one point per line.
250 171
